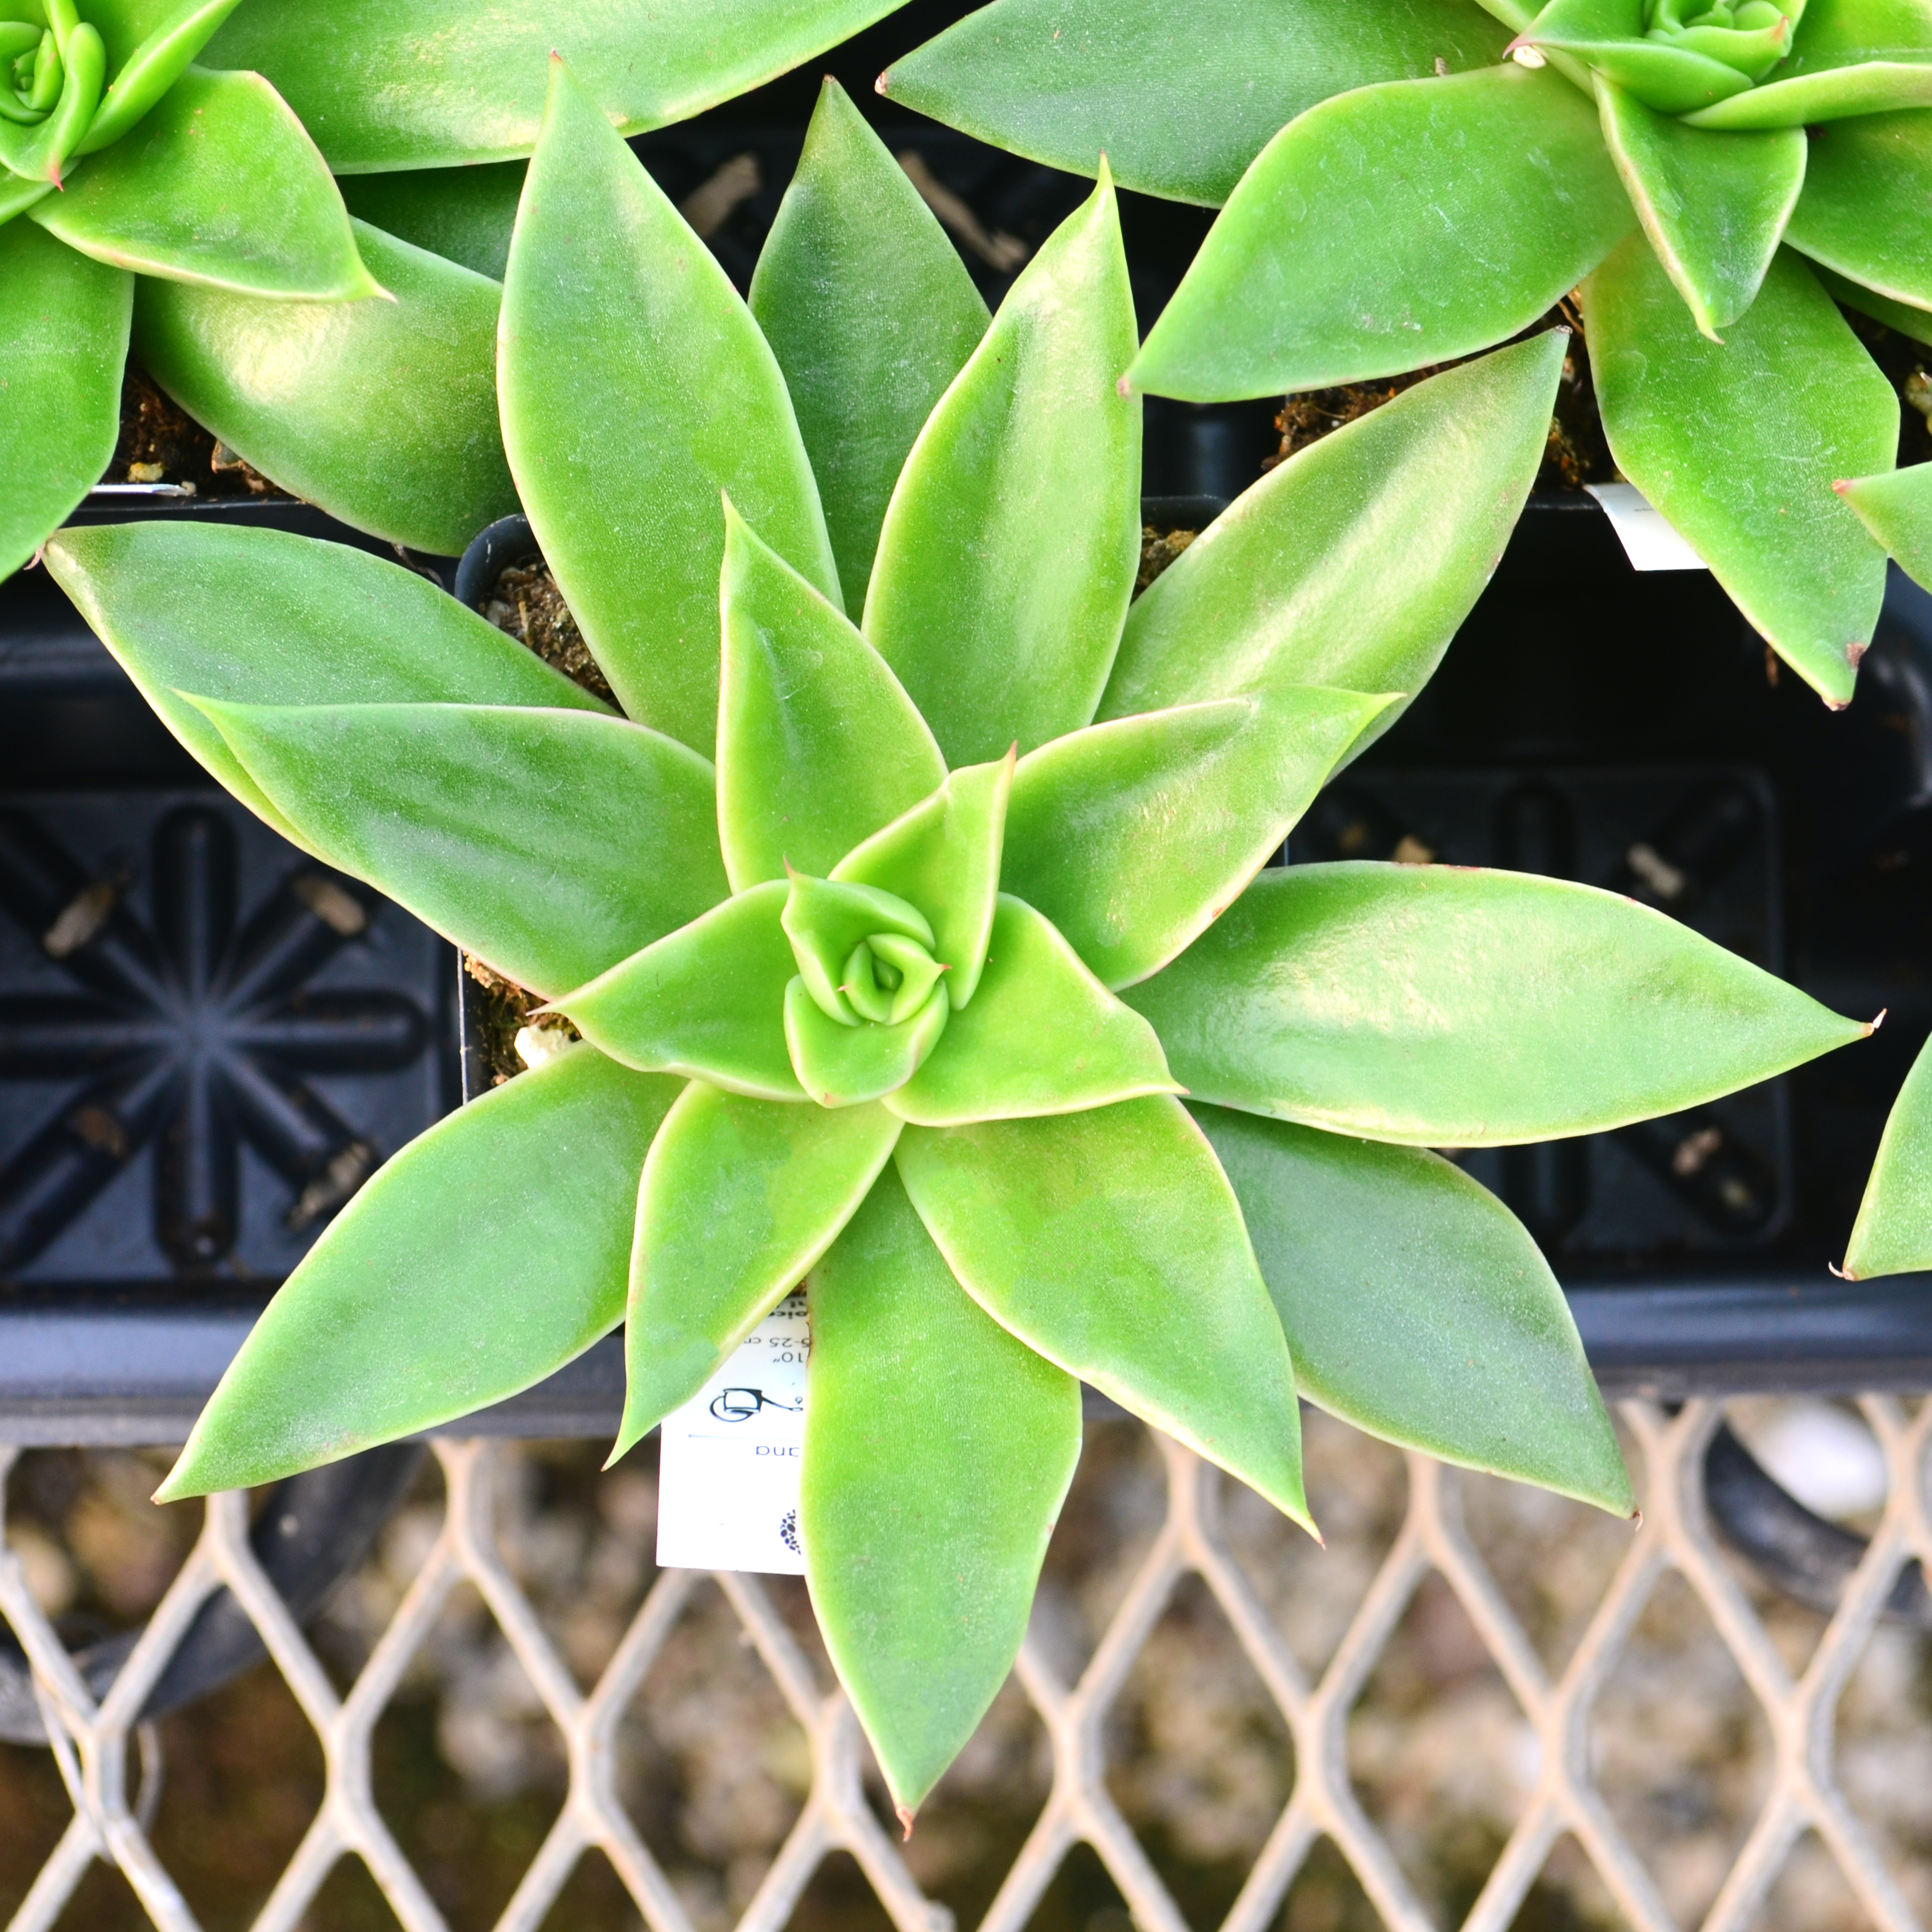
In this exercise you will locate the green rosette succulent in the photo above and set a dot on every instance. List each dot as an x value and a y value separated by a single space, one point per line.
1407 181
934 960
166 172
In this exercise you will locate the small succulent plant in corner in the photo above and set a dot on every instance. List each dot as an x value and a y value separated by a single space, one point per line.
1408 181
934 959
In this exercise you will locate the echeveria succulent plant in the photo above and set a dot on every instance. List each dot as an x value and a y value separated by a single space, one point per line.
194 197
894 945
1428 196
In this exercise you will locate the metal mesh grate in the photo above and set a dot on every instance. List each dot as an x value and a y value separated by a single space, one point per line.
101 1749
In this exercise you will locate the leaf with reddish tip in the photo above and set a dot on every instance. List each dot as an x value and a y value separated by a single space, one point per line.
1111 1243
1417 1307
1738 444
1451 1006
937 1450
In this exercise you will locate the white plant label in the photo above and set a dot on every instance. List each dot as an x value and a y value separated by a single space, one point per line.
1649 540
727 1473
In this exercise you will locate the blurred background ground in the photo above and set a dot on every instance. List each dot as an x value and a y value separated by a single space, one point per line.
470 1771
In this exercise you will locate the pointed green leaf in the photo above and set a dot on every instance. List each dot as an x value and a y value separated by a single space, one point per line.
148 49
383 413
841 1066
825 919
1896 506
1452 1006
1893 1234
1417 1307
439 1287
1111 1243
1488 195
1292 584
1132 837
1180 97
260 617
1864 202
635 388
739 1198
1670 76
1848 57
63 347
870 314
707 1000
937 1452
1010 545
464 215
945 854
441 81
1044 1037
1713 205
818 746
515 833
219 185
1738 444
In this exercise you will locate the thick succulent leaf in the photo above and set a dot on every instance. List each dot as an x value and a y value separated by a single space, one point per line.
1111 1243
945 854
841 1065
825 919
1848 57
63 347
219 185
1893 1234
1010 545
1179 97
1739 443
1906 317
1044 1037
707 1000
1417 1307
739 1198
514 832
148 48
441 81
1488 195
479 1259
465 215
938 1451
1713 205
1452 1006
818 745
635 388
260 617
870 314
1896 506
1864 206
1133 837
383 413
1293 584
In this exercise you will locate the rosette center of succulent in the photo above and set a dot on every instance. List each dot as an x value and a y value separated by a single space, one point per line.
1750 36
50 88
865 956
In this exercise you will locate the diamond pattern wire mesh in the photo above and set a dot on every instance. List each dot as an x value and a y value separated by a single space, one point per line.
109 1763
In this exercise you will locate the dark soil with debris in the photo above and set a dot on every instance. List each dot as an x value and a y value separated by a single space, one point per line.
161 443
1159 548
525 602
503 1012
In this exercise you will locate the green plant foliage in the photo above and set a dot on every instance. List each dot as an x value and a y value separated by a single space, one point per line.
898 1072
1397 193
355 370
295 387
1893 1234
